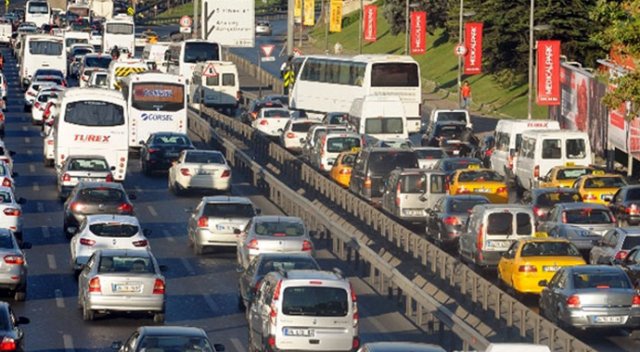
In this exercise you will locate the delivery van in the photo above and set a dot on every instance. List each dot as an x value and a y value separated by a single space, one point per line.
379 117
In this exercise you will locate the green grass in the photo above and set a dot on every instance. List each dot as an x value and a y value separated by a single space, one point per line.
187 9
438 65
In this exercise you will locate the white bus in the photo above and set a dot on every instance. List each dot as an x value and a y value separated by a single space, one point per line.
183 56
119 31
93 121
330 84
38 12
41 51
156 102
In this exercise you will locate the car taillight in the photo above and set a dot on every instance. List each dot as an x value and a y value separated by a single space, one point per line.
253 244
66 177
1 116
632 209
564 217
6 182
14 259
621 255
527 269
367 182
264 122
47 112
87 242
573 302
125 208
276 292
398 190
141 243
451 220
226 173
480 239
635 301
589 196
109 178
271 340
355 344
153 150
539 212
306 246
291 135
345 172
185 171
501 190
158 287
75 206
8 344
94 285
12 212
203 221
256 288
536 171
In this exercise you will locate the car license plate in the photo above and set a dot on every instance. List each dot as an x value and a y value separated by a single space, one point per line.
89 179
482 190
413 212
297 332
550 268
125 288
205 172
498 244
172 155
608 319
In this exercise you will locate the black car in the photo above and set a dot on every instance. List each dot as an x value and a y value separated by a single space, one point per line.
167 338
12 336
161 149
543 199
250 114
446 221
89 198
450 165
455 138
631 265
266 263
625 205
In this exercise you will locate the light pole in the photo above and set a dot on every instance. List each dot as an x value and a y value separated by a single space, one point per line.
406 25
532 28
463 14
360 27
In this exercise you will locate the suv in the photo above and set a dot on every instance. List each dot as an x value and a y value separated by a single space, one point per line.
304 310
373 166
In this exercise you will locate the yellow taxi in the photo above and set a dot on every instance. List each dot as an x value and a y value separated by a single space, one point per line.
530 260
599 187
564 176
341 170
479 181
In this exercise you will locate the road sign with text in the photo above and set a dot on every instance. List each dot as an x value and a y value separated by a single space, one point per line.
231 23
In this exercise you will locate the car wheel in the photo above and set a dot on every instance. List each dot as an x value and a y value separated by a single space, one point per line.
20 295
87 314
158 318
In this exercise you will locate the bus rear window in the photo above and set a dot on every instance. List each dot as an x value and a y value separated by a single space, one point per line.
38 8
395 75
94 113
201 52
101 62
158 96
119 28
45 47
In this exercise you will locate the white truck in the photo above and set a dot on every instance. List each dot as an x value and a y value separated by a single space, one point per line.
102 8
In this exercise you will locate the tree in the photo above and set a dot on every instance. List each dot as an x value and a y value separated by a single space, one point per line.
395 11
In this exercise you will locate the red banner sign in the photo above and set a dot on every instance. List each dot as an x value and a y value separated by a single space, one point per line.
418 33
370 23
473 43
548 72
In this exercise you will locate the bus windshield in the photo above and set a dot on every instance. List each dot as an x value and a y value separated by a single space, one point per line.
119 28
38 8
45 47
200 52
395 74
158 96
94 113
101 62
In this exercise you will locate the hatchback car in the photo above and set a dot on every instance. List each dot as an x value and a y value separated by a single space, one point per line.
11 211
294 131
167 338
214 221
595 218
263 28
341 169
200 170
615 245
106 232
161 149
11 334
89 198
122 280
13 276
446 220
269 234
77 168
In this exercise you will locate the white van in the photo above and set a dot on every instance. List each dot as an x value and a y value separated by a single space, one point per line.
75 37
457 115
541 150
6 30
379 117
37 12
508 137
219 90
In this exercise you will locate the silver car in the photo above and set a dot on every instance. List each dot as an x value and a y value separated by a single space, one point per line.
595 218
590 296
122 280
214 221
76 168
13 269
400 347
263 28
615 245
273 234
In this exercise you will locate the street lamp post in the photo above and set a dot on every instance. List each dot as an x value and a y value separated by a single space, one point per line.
463 14
532 29
360 29
406 25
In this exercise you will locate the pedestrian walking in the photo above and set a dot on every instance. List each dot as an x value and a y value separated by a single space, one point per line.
465 93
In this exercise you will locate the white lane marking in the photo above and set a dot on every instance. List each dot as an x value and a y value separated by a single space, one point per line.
137 188
36 187
237 344
188 266
51 260
212 304
59 299
167 234
39 205
27 140
67 341
45 231
29 152
24 128
32 168
152 210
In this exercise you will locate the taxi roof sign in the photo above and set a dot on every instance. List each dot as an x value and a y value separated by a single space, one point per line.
598 172
571 163
473 167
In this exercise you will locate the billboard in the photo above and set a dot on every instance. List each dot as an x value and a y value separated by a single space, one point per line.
418 36
548 72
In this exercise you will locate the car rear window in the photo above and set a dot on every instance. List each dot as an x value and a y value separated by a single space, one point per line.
315 301
452 116
280 229
341 144
413 184
101 195
453 132
276 113
6 242
430 153
552 198
176 343
302 126
88 165
204 158
125 264
570 174
228 210
604 182
464 205
381 163
177 140
600 280
630 242
587 216
269 265
113 230
500 224
480 176
554 249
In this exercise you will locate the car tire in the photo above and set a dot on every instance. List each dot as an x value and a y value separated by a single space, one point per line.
158 318
87 314
20 295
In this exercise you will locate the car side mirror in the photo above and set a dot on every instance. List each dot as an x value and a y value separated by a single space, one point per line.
132 196
22 321
219 347
164 268
237 231
116 345
543 283
72 230
26 245
146 232
258 211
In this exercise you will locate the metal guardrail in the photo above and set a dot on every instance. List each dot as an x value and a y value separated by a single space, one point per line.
421 307
266 79
468 285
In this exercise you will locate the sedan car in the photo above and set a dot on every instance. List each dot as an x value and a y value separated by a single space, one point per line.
564 176
449 165
265 263
400 347
590 296
484 182
294 131
530 260
214 221
45 94
273 234
631 265
428 156
615 245
271 121
11 212
106 232
595 218
89 198
263 28
599 187
13 276
77 168
200 169
161 149
446 221
167 338
542 200
122 280
11 334
34 88
626 205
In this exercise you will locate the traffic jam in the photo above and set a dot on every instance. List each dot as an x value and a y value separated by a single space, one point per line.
525 205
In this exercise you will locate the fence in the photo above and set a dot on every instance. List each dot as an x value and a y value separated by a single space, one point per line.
266 79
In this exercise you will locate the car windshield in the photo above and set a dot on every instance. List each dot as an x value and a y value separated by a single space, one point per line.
572 174
125 264
605 182
600 280
228 210
341 144
275 113
381 163
204 158
587 216
430 153
553 249
349 159
464 205
457 164
101 195
280 229
302 126
113 229
550 199
7 243
286 264
480 176
315 301
88 164
171 140
457 116
175 343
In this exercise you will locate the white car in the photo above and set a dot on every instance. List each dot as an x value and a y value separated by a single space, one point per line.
97 79
6 155
11 212
200 169
49 115
40 103
6 176
271 121
4 88
33 89
47 148
105 232
295 132
429 156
